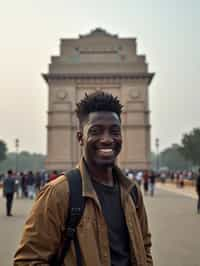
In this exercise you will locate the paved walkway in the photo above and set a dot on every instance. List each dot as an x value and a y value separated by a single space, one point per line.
173 221
188 191
11 228
175 227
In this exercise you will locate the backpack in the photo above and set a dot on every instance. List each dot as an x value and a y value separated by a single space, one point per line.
76 208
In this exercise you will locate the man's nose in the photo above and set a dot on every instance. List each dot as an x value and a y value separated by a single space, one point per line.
106 138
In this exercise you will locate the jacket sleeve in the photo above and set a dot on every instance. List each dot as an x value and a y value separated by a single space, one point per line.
142 215
44 227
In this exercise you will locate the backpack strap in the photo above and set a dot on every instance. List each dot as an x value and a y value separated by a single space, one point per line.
76 208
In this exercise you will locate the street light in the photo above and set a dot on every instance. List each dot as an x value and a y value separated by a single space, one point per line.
16 158
157 143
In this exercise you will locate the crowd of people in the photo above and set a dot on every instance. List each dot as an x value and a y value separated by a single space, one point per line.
23 185
28 184
147 178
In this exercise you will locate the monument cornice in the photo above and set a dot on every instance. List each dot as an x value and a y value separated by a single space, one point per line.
98 76
124 126
125 111
58 127
133 161
138 126
60 162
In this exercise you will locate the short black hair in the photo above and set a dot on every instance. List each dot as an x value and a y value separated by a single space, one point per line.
10 172
98 101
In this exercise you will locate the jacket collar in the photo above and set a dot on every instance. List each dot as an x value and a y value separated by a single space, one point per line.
87 186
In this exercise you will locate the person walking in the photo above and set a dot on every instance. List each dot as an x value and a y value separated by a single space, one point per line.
38 182
139 177
17 178
146 182
31 185
23 185
198 191
8 191
152 180
113 227
181 180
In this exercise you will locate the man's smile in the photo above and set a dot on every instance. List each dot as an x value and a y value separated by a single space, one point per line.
105 152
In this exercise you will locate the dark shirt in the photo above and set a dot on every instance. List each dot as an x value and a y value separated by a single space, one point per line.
152 179
38 180
30 180
9 185
110 200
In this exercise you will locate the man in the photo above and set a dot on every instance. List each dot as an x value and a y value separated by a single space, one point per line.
111 231
152 180
139 177
198 192
31 185
38 181
146 182
8 191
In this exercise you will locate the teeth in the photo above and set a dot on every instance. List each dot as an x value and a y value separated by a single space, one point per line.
106 150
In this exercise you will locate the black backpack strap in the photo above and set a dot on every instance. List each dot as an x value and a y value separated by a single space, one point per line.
134 195
76 208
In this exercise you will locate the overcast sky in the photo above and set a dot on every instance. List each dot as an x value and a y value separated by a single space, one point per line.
167 32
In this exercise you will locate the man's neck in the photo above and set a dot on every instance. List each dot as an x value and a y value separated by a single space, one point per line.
101 175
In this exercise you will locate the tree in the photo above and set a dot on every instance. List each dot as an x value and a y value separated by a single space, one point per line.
3 150
173 159
190 146
26 161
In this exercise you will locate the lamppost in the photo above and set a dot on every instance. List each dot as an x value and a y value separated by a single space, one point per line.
16 158
157 143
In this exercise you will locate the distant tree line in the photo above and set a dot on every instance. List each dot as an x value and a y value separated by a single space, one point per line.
172 159
3 150
23 161
181 157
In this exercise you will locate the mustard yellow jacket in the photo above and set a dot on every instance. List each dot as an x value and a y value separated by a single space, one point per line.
44 228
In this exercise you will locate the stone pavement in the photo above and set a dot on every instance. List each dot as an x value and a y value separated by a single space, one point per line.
11 227
188 191
174 224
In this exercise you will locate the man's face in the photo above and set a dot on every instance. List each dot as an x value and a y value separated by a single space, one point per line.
101 138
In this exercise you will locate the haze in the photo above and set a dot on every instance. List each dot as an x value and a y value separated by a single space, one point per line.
166 31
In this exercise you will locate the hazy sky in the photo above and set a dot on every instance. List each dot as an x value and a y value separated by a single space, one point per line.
167 32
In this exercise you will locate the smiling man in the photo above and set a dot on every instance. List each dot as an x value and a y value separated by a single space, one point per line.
113 228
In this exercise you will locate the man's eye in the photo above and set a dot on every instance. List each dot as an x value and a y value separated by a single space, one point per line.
94 131
116 131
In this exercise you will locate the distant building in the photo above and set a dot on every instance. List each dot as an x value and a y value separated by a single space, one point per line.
98 61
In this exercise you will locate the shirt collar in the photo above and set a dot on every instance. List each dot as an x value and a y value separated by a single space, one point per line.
87 186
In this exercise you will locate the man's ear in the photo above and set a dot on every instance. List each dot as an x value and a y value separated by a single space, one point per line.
79 136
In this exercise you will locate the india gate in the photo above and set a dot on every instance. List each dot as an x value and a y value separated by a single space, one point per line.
98 61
